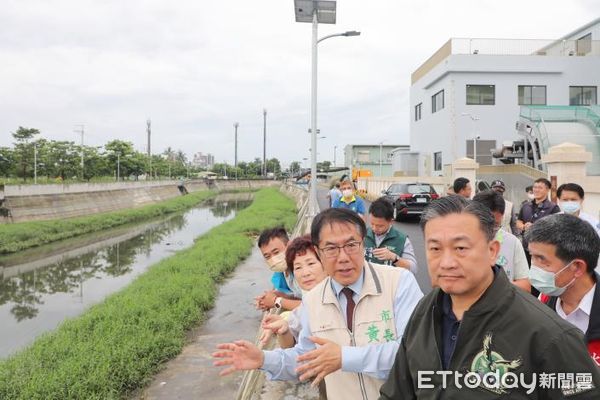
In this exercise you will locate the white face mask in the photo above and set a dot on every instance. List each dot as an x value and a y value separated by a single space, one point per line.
545 281
570 207
347 193
277 263
530 196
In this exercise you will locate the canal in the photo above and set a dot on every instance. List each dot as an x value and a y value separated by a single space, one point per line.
41 287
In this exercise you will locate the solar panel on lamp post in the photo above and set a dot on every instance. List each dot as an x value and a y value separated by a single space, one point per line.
316 12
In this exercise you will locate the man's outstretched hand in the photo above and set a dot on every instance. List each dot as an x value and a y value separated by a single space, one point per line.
324 360
239 355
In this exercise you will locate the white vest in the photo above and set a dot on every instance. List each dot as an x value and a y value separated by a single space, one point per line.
373 322
507 216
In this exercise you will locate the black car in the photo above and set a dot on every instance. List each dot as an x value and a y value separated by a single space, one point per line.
410 198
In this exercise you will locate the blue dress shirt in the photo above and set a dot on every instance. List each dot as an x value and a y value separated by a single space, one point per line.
375 360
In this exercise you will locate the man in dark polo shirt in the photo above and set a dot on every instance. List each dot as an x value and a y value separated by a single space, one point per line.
537 208
533 211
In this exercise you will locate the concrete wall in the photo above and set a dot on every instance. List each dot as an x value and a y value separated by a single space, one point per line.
68 205
33 190
45 202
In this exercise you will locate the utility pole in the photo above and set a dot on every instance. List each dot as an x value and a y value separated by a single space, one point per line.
380 159
35 163
81 130
264 171
334 153
149 131
235 125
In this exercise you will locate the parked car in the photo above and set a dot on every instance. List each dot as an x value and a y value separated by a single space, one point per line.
410 198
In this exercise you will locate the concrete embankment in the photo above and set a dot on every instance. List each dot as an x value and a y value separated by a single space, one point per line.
44 202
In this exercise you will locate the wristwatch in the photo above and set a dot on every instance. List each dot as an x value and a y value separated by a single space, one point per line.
278 302
396 259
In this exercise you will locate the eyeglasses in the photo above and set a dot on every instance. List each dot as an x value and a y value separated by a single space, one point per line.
332 251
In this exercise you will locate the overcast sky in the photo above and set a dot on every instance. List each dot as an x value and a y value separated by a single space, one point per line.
194 67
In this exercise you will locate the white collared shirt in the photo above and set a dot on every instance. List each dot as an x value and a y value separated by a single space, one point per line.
580 317
591 220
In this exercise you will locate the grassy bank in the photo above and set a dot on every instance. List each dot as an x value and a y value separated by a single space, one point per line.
116 346
23 235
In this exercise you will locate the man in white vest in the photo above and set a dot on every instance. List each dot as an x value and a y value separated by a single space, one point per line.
509 218
352 322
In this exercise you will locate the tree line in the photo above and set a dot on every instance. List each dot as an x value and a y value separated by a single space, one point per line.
55 161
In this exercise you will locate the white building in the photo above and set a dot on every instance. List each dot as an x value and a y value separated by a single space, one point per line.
475 88
376 158
203 160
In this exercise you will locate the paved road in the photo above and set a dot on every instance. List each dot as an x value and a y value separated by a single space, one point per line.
412 229
191 374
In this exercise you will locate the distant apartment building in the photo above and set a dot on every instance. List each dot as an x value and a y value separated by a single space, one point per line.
470 92
375 157
203 160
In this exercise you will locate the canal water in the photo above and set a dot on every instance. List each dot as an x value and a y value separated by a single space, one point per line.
39 288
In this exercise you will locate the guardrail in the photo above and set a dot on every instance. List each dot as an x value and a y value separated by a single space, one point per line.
254 380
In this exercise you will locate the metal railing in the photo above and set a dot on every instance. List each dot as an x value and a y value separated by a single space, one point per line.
254 380
541 118
508 47
525 47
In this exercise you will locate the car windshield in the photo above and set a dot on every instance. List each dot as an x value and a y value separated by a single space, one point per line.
398 188
416 189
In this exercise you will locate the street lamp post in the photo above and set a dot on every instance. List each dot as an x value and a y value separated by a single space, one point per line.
81 131
474 119
236 125
264 171
334 153
315 12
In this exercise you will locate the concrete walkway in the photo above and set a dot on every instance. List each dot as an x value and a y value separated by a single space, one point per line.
191 375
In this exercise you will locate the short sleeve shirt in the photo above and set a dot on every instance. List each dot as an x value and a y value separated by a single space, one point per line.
355 204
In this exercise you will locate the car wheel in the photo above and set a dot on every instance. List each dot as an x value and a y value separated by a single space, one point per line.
398 216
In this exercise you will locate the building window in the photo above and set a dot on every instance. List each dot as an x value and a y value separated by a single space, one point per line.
437 161
481 95
532 95
582 95
584 45
364 156
418 111
437 101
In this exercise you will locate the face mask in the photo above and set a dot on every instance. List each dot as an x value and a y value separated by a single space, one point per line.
347 193
277 263
530 196
544 281
570 207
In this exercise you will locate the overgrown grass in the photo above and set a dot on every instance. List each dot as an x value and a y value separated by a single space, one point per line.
116 346
23 235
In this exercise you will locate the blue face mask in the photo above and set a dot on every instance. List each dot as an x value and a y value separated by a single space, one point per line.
544 281
570 207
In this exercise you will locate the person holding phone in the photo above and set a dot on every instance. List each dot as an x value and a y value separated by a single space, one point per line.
385 244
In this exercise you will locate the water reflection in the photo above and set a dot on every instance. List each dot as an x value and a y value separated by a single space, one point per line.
38 289
226 208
